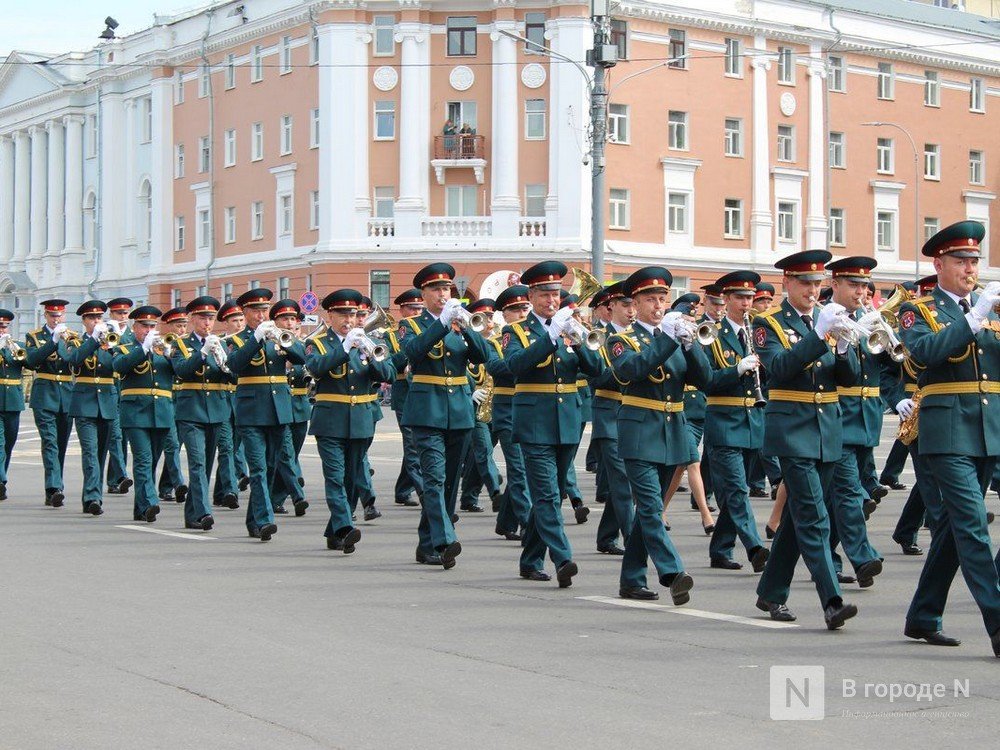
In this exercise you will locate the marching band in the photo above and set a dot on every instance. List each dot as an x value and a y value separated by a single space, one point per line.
756 390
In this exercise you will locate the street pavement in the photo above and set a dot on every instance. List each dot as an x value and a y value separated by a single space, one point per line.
112 636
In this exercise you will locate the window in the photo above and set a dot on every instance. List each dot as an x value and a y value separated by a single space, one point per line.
786 65
932 89
786 143
314 47
90 222
835 230
885 230
204 228
460 200
146 118
886 81
314 209
203 81
229 221
385 199
932 161
175 296
385 42
286 55
253 284
91 135
534 200
733 221
178 161
619 37
227 291
835 75
734 58
204 154
229 141
678 128
385 120
286 135
463 113
257 220
179 87
618 123
977 101
378 287
678 49
178 233
837 157
534 119
284 285
201 291
932 226
677 220
734 137
314 128
885 156
285 214
257 141
976 167
619 214
786 221
256 64
230 71
534 32
461 35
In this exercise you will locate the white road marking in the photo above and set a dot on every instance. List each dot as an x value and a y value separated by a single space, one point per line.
178 534
755 622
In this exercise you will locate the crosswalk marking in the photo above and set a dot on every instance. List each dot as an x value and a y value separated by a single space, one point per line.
721 616
178 534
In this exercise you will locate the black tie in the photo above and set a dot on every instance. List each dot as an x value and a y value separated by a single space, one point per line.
742 336
964 304
548 321
808 320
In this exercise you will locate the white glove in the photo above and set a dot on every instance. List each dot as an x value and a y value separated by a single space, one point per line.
670 323
478 396
449 311
149 341
827 317
212 341
748 363
262 330
558 324
59 330
115 326
989 297
353 337
4 340
905 408
99 329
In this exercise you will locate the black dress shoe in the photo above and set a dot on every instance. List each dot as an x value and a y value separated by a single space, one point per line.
472 509
125 485
565 573
428 559
878 492
512 536
301 506
844 578
909 548
666 526
990 518
933 637
267 531
181 492
112 490
868 508
448 555
206 523
230 500
409 502
535 575
454 518
349 540
254 533
895 485
371 512
334 543
301 481
778 612
682 488
837 614
758 493
868 571
94 508
243 483
151 513
581 512
769 532
193 526
680 587
3 490
725 564
166 497
708 529
611 549
280 510
637 592
56 498
758 558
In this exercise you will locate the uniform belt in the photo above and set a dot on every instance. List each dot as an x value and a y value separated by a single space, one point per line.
910 387
545 388
147 392
10 381
948 389
300 391
95 381
343 399
690 388
864 391
441 379
651 403
263 380
803 397
582 383
50 376
739 401
502 391
201 387
610 395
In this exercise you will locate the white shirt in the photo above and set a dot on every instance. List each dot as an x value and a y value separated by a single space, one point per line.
737 327
647 326
955 297
540 318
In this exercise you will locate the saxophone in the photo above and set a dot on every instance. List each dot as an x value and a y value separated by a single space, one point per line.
484 412
908 428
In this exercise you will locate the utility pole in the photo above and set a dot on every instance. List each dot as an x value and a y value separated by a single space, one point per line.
604 55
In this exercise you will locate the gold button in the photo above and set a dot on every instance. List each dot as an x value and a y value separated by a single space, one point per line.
352 387
560 399
668 376
818 363
354 400
559 388
668 417
274 393
558 359
985 401
818 397
980 351
820 410
821 387
986 377
451 390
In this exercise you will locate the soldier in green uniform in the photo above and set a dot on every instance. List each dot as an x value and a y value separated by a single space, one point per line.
263 401
51 393
953 334
365 491
172 485
146 406
286 478
439 405
343 422
11 396
568 486
600 316
118 479
896 460
803 428
94 406
202 405
763 467
547 413
410 304
654 362
734 425
225 491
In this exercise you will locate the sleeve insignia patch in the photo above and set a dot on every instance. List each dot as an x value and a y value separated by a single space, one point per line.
907 319
760 337
506 340
617 349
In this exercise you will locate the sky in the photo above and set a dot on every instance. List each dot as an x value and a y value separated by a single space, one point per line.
55 26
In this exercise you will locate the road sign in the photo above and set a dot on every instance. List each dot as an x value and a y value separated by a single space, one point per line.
308 302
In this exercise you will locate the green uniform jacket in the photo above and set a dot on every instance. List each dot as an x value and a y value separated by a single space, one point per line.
607 391
95 393
343 388
798 360
960 387
147 387
441 355
694 399
201 394
401 383
300 381
863 412
655 370
52 389
263 395
727 424
547 400
503 390
11 393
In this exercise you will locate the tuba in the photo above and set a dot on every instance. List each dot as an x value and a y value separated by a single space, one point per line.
377 320
585 285
890 308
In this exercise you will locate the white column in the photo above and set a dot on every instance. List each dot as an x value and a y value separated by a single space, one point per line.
6 199
39 199
72 258
129 188
414 160
506 205
57 199
816 236
22 199
761 218
113 203
161 175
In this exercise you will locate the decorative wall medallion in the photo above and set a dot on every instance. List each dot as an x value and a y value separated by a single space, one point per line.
385 78
461 78
787 103
533 75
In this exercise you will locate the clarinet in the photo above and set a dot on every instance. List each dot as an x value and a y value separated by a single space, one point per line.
758 395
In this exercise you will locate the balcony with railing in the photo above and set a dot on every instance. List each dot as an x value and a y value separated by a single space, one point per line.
460 150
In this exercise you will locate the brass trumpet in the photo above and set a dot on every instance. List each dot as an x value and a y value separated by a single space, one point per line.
377 320
579 335
17 352
981 287
109 339
882 338
281 337
477 322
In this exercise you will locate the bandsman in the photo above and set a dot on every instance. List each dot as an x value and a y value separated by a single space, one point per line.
763 468
896 460
286 479
599 317
231 475
365 489
118 479
410 304
568 485
172 485
11 394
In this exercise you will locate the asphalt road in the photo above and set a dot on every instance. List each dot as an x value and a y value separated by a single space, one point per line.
112 637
